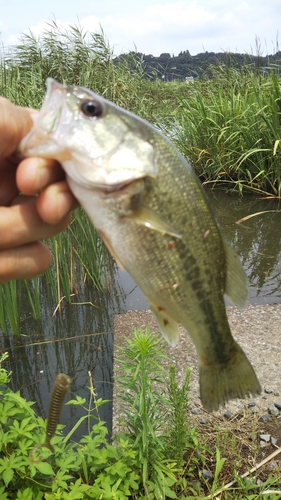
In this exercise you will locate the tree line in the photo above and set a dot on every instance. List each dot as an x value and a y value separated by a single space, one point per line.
168 67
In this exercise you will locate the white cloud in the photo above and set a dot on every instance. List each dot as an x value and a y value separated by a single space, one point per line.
171 26
180 14
160 25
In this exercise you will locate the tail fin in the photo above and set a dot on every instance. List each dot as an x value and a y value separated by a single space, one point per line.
234 379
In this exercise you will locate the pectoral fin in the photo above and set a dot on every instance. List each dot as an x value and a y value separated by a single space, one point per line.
167 325
148 218
236 287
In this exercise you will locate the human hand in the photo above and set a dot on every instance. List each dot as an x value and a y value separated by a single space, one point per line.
43 209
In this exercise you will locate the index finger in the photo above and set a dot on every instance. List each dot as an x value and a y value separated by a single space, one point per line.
34 174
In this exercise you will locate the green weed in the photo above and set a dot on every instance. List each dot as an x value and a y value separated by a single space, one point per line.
146 408
92 468
178 437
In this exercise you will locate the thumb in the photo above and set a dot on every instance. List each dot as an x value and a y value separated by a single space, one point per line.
15 123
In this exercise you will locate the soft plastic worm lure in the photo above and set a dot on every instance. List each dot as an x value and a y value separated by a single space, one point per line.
59 390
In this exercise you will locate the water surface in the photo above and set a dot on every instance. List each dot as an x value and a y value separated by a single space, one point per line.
256 240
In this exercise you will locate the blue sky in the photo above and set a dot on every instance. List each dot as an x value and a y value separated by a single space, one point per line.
155 26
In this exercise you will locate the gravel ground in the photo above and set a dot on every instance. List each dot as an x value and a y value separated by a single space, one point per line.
256 329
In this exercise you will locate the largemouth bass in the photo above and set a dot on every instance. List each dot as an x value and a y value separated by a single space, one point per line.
148 206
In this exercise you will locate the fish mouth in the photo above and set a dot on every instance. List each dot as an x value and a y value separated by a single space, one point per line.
43 138
52 122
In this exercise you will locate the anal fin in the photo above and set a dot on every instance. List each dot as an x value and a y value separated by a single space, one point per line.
236 287
167 325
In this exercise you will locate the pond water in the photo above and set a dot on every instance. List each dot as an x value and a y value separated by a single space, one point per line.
80 339
257 241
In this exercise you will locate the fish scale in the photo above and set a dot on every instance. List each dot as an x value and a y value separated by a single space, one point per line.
148 206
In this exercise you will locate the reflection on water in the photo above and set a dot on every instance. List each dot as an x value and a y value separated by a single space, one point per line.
80 339
256 240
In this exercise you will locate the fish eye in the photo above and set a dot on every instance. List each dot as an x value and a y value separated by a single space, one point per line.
91 108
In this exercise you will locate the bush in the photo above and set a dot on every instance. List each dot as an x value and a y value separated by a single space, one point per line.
136 465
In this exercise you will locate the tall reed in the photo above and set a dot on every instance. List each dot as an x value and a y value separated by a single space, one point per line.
10 307
74 57
79 256
230 128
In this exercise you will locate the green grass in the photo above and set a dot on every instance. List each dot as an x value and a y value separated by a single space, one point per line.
10 307
230 128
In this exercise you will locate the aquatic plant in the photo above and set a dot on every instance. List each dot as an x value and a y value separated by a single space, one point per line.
9 307
71 56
